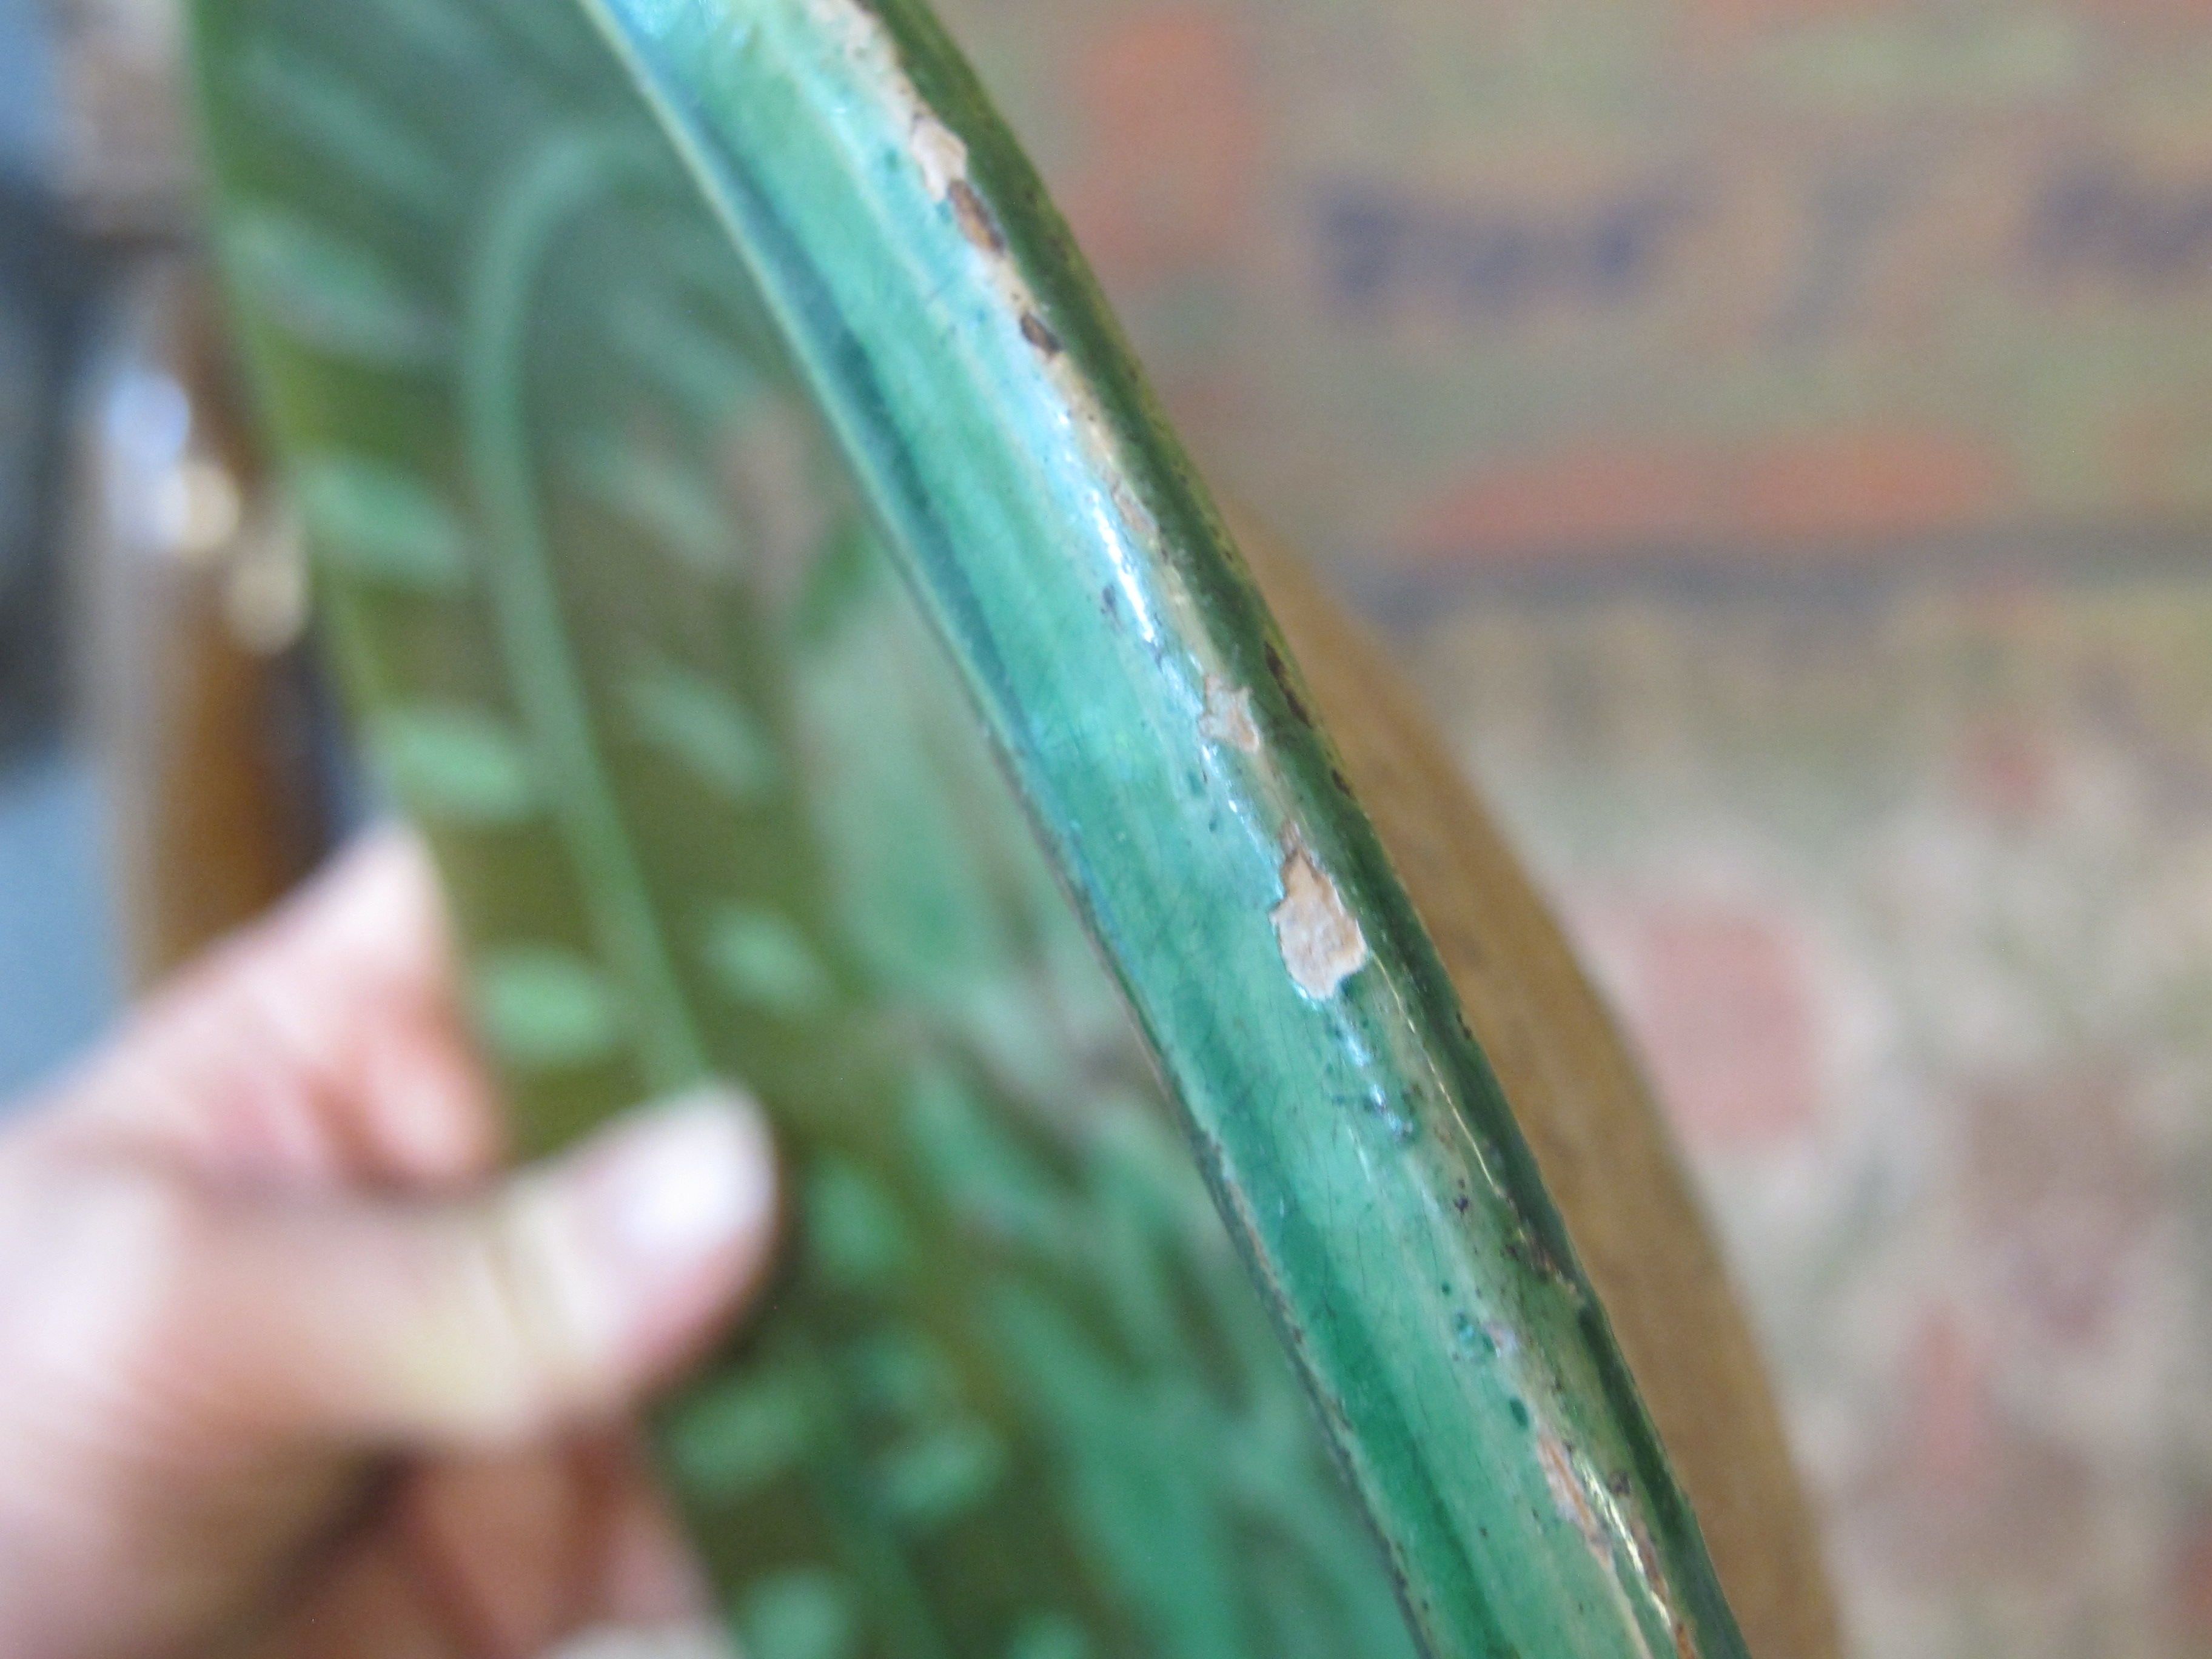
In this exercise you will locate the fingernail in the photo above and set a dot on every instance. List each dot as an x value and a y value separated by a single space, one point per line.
642 1218
681 1184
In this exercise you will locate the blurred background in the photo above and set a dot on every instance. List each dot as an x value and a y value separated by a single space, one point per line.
1778 434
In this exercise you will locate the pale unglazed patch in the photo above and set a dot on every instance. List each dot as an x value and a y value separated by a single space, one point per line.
1578 1497
1568 1496
941 153
1228 718
938 150
1321 941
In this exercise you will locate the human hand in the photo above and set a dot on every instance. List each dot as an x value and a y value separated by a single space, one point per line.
286 1371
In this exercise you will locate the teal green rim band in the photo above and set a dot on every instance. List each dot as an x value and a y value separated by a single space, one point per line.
1123 663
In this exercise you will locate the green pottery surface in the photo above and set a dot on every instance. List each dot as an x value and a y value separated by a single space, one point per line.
758 565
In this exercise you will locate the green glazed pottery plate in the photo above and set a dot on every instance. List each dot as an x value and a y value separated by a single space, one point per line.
757 564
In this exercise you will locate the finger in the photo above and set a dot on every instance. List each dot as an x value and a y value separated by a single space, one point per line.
504 1537
368 1603
652 1579
532 1545
320 1047
557 1301
692 1639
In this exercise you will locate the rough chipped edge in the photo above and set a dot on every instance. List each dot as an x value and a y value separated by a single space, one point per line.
1229 719
1322 943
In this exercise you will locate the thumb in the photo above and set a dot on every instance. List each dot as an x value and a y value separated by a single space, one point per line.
561 1296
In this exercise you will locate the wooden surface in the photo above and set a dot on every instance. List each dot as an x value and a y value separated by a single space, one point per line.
205 734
